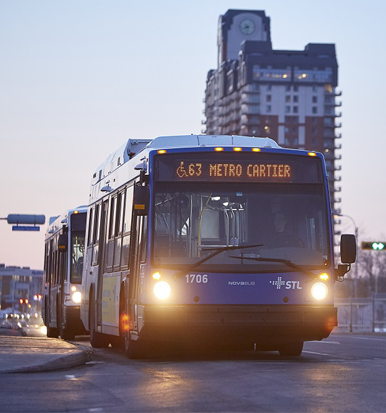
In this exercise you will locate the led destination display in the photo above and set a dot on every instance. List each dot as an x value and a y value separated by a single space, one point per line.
241 170
205 167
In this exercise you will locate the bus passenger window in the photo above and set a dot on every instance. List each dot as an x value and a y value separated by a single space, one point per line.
90 228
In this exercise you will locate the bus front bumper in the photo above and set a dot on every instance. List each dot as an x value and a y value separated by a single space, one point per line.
259 324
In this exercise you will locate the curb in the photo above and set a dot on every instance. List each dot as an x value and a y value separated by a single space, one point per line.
59 363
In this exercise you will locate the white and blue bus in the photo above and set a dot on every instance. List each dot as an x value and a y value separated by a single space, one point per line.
213 239
63 268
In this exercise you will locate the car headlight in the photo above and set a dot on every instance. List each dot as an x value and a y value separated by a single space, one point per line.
162 290
77 297
319 291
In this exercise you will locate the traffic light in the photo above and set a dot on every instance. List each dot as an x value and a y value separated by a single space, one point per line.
374 245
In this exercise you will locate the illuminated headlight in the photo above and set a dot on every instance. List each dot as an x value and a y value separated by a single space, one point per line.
319 291
77 297
162 290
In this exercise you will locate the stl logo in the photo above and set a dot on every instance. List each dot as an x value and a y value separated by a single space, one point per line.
279 282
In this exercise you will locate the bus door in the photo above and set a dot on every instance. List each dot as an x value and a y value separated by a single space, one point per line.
137 256
47 298
62 274
102 260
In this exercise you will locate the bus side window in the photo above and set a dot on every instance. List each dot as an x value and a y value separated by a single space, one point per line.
90 231
118 231
127 227
110 234
55 266
95 236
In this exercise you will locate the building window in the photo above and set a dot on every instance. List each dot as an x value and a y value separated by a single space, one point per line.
314 99
269 97
269 108
328 121
296 88
288 88
314 109
288 98
287 109
295 109
296 99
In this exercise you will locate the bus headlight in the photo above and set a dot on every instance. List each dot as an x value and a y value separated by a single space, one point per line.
319 291
77 297
162 290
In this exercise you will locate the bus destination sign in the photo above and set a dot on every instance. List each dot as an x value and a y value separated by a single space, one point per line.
241 170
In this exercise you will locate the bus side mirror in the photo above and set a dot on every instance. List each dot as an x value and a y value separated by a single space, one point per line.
62 242
141 200
348 248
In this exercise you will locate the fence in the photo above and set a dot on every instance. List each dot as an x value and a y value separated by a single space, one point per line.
362 314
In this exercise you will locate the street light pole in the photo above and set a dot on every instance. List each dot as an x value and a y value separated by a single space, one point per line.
356 240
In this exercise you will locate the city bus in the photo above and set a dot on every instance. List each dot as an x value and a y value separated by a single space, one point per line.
63 267
220 240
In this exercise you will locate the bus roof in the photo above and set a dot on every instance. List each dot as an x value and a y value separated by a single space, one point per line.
56 223
210 140
134 146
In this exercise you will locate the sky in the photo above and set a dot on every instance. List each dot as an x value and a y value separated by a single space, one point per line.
80 77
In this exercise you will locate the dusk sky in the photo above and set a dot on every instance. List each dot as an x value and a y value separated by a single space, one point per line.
78 78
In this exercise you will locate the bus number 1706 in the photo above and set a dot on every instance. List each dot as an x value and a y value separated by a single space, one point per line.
196 278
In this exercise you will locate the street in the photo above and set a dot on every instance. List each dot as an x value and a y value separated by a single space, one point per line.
345 373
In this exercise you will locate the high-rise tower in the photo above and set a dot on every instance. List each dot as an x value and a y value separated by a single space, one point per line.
287 95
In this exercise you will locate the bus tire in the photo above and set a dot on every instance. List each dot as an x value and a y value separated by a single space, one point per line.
134 349
291 349
51 331
97 340
64 332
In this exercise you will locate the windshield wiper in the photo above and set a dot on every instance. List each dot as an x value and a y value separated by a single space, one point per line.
281 260
215 252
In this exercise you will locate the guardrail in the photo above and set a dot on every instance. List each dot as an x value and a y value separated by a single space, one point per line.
357 315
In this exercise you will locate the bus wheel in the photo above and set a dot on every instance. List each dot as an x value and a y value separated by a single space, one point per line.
134 349
291 349
66 333
52 332
97 340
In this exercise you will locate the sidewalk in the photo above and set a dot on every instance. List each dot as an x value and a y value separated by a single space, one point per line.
35 354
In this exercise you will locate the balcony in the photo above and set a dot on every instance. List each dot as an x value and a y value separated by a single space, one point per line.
327 93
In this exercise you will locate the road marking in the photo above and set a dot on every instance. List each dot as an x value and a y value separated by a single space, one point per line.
319 354
370 339
325 342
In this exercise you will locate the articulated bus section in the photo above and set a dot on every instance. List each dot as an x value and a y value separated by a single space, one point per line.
63 268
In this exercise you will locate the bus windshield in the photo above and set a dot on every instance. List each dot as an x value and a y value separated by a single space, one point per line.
282 221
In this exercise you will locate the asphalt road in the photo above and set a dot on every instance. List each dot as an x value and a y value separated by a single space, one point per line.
345 373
